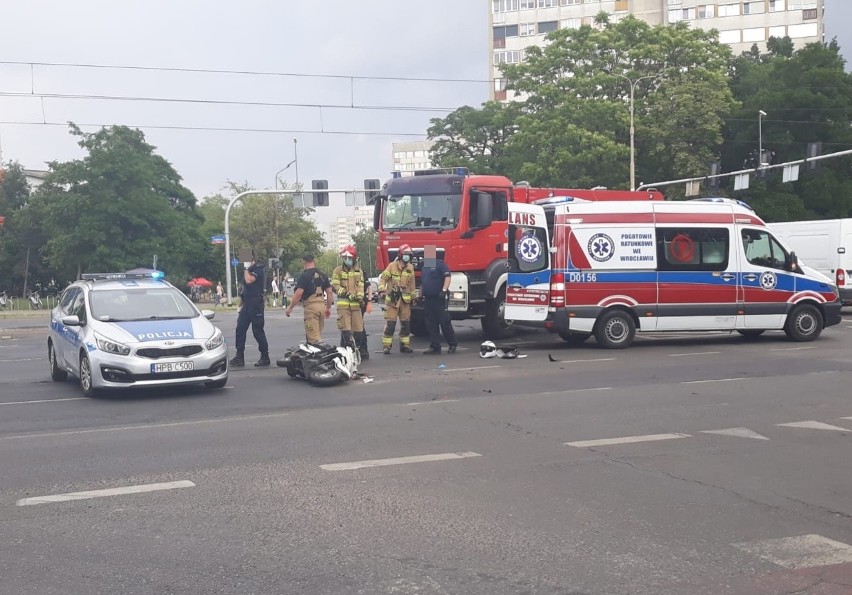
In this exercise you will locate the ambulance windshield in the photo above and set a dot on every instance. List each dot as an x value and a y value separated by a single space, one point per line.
425 211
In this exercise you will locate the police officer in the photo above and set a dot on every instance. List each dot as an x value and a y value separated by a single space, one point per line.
397 283
347 282
434 286
251 314
313 291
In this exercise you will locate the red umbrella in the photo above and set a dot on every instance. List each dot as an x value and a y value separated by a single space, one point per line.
200 282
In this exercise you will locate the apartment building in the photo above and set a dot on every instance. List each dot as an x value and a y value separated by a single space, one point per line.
517 24
339 232
412 156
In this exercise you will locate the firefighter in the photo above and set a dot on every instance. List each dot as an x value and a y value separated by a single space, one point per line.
347 282
397 283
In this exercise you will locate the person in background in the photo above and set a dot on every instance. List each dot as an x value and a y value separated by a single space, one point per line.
220 294
434 286
313 290
251 314
275 292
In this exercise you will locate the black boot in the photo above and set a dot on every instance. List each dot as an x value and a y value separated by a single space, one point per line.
237 361
362 345
263 361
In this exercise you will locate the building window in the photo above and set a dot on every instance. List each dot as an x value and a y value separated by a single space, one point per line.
729 10
729 37
755 34
569 23
507 57
504 5
525 29
569 2
777 6
801 4
620 5
546 3
706 11
675 15
527 4
675 2
804 30
779 31
548 26
809 14
754 7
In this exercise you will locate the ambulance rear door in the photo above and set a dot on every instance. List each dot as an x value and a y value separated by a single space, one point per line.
528 253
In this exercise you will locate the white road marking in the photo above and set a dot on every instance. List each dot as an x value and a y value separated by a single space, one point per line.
435 402
46 401
570 390
694 353
713 380
737 432
398 461
793 348
813 425
626 440
467 369
146 426
804 551
137 489
583 361
22 359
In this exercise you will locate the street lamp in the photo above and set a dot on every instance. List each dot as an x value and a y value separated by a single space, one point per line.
633 84
286 167
760 115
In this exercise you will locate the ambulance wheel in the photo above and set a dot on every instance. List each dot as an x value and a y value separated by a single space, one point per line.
751 334
574 338
495 325
804 323
615 330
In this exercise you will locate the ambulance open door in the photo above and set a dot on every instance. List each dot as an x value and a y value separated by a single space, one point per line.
528 260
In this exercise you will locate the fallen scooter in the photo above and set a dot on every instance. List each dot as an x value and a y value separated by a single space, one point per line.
320 364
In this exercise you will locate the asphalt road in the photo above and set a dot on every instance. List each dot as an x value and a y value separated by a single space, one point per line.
685 464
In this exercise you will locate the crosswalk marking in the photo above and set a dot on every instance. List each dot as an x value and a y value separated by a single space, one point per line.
737 432
813 425
803 551
398 461
626 440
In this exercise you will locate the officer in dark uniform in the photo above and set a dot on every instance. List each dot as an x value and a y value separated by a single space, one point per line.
434 287
251 314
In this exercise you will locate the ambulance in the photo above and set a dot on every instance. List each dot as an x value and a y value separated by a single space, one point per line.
608 270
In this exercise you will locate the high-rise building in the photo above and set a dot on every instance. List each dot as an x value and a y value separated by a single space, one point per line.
412 156
517 24
340 231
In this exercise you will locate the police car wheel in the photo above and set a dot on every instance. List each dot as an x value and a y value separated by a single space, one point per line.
615 330
86 382
804 323
56 373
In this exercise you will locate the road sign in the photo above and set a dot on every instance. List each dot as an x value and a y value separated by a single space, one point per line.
234 262
217 239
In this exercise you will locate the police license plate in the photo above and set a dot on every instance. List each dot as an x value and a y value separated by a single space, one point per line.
172 367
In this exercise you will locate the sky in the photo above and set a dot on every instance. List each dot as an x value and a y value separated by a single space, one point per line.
335 52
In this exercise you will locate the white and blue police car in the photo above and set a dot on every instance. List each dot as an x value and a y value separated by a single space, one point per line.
122 330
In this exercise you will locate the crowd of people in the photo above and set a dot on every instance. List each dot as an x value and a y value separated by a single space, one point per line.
351 294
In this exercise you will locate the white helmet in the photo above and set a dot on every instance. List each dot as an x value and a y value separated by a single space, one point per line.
487 349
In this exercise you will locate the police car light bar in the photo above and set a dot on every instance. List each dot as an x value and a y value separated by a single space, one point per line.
116 276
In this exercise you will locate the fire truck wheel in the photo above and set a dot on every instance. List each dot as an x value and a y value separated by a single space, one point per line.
804 323
494 325
574 338
615 329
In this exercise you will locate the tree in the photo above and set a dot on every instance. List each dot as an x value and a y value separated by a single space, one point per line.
366 240
20 235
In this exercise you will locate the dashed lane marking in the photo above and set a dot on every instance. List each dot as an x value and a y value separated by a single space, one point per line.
713 380
448 456
468 369
694 353
435 402
626 440
46 401
803 551
737 432
813 425
21 359
137 489
145 426
793 348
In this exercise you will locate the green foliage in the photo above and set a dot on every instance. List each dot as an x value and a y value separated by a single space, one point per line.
21 234
116 208
366 241
14 188
327 261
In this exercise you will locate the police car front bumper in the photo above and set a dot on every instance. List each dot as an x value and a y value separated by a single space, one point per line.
118 371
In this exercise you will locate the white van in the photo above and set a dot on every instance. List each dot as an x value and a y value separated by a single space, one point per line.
612 269
825 245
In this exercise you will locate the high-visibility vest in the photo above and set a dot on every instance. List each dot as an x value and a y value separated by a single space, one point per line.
345 282
398 275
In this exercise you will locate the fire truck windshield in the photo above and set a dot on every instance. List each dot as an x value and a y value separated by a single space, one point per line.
426 211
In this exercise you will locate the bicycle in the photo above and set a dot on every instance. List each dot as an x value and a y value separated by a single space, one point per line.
34 300
5 302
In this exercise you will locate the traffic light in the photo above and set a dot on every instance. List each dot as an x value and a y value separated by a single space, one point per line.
715 170
814 150
320 198
372 187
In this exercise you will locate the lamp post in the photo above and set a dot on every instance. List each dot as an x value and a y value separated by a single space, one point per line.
286 167
633 84
760 115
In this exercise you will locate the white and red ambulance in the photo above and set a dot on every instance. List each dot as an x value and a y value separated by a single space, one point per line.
610 269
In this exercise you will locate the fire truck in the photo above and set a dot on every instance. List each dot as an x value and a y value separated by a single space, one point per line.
465 217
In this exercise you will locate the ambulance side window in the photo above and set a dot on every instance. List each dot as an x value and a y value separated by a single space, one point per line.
528 249
693 248
762 250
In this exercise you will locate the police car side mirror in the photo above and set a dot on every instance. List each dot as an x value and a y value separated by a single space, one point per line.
71 321
208 314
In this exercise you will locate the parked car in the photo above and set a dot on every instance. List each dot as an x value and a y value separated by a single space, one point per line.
123 330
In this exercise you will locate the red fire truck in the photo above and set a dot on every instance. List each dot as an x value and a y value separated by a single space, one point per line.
466 218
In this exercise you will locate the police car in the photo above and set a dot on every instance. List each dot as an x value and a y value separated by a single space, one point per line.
120 330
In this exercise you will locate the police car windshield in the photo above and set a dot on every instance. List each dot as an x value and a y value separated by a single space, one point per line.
425 211
140 303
